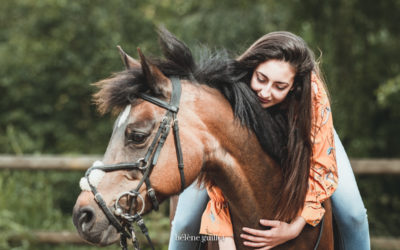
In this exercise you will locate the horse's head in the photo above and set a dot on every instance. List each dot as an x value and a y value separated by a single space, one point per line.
143 162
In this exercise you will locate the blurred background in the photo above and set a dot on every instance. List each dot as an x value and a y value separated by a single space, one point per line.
51 50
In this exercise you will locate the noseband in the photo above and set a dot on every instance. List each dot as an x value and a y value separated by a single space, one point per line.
145 166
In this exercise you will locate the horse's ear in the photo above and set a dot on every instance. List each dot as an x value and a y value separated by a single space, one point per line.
129 62
156 80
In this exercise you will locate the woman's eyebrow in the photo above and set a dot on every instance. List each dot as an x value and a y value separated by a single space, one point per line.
279 82
259 72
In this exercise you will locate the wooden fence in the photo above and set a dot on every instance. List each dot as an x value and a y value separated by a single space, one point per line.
81 163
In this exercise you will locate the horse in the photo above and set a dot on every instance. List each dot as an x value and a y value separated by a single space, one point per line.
221 139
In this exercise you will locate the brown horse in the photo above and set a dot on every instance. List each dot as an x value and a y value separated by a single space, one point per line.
221 127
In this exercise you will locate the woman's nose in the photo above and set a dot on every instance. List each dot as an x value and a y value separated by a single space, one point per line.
265 92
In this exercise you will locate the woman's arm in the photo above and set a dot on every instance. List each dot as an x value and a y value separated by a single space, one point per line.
279 233
216 219
323 178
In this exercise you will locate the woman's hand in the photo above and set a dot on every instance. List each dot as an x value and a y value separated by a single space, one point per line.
279 233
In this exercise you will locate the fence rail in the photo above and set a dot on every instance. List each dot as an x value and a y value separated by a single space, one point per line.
82 162
48 162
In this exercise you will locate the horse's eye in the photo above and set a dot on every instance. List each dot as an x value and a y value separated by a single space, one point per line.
136 137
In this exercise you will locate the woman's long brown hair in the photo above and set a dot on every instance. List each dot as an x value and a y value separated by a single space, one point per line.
296 155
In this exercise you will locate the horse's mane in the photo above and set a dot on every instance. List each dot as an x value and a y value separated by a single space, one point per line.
213 69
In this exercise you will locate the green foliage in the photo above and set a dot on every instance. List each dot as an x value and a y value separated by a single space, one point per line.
43 201
389 93
359 41
388 96
44 195
380 201
52 50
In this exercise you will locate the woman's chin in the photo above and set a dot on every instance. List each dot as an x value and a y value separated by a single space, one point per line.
267 104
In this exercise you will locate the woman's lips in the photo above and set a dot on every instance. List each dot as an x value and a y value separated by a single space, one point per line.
262 100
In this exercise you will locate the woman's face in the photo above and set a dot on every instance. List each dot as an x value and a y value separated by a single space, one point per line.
271 81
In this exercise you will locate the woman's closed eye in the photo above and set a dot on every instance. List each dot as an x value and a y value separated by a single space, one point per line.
281 85
261 78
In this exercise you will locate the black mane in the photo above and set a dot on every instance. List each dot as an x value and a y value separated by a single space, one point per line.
216 70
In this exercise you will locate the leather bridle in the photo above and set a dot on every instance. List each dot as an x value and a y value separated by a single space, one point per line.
145 165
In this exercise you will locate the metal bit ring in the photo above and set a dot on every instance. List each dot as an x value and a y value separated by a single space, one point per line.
118 209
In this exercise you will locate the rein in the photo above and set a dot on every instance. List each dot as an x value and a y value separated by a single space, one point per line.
144 165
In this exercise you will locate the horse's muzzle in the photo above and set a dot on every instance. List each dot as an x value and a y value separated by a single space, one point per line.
93 226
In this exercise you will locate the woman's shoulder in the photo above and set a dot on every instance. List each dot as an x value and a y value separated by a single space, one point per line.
318 91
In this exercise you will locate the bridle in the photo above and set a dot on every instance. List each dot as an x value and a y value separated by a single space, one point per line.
144 165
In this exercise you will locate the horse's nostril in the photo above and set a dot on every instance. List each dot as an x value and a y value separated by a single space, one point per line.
86 218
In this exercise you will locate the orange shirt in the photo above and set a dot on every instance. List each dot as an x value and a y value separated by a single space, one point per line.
323 177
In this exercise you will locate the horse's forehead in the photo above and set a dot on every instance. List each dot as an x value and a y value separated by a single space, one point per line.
134 113
144 111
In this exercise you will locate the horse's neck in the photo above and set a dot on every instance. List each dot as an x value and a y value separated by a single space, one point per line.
237 164
248 179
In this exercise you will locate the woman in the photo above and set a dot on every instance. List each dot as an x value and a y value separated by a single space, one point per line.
282 72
